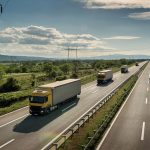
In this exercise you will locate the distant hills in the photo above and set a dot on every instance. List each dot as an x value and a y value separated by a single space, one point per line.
7 58
120 56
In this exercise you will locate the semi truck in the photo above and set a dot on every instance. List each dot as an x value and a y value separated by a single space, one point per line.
104 76
49 96
136 64
124 69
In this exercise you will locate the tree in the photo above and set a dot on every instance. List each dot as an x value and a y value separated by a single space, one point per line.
2 72
48 69
33 80
11 85
65 68
53 74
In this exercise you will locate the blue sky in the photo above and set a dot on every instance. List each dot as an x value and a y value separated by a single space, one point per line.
95 27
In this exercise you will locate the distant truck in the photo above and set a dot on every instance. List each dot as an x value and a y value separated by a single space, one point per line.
136 64
104 76
47 97
124 69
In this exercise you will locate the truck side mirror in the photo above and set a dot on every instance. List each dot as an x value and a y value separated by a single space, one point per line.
46 99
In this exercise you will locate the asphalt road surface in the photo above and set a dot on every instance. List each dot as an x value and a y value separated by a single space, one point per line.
131 130
21 131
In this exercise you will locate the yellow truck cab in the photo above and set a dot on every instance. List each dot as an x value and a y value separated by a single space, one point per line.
40 102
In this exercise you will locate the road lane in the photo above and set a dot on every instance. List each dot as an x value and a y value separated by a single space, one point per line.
131 130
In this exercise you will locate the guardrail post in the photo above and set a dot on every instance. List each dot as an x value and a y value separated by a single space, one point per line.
92 114
78 124
88 117
55 144
72 132
83 122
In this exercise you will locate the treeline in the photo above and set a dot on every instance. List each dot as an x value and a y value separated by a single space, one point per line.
52 70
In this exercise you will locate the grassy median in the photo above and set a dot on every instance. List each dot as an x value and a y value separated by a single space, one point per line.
81 138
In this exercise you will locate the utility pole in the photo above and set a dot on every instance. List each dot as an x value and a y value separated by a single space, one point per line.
76 53
69 49
1 8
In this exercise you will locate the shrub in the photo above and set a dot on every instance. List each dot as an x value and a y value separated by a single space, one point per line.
74 75
7 99
10 85
59 78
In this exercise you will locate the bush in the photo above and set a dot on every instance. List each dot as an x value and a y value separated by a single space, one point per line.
7 99
74 75
59 78
10 85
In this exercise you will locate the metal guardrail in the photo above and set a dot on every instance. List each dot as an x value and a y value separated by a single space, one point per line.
61 139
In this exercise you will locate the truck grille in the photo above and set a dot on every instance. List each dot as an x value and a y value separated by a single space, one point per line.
35 108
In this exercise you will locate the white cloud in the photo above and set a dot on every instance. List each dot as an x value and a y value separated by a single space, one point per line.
122 38
115 4
39 40
140 16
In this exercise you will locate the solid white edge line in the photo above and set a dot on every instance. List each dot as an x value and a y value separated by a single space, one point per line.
68 107
13 120
6 143
146 100
143 131
108 130
78 118
13 111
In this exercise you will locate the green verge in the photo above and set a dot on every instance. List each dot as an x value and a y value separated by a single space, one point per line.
13 107
81 138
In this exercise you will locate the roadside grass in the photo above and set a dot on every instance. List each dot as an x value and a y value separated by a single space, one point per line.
81 137
13 107
87 79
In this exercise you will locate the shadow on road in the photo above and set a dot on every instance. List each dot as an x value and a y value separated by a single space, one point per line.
34 123
105 83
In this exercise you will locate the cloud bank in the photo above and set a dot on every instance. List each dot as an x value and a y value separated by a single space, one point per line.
122 38
39 40
140 16
115 4
49 42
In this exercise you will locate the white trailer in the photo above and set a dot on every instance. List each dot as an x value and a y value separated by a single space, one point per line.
104 76
63 90
124 69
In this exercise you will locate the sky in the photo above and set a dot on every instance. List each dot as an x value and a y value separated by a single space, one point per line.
48 28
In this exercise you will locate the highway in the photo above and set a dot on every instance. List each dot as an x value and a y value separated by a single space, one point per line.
21 131
131 128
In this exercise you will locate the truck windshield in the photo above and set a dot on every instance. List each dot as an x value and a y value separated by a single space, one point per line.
101 75
37 99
